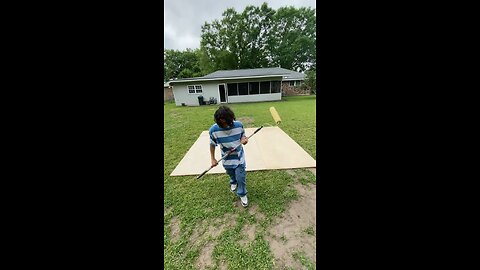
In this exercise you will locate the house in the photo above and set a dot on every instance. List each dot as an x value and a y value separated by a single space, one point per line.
234 86
167 92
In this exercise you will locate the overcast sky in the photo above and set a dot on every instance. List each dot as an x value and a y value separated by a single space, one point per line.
183 18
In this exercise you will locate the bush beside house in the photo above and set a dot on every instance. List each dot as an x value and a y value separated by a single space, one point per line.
289 90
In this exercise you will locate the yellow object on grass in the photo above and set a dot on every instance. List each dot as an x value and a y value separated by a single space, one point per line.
275 115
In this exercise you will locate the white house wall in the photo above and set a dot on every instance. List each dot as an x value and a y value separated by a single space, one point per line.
255 98
210 89
180 91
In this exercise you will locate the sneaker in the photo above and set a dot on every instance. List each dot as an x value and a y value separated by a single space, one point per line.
233 187
244 201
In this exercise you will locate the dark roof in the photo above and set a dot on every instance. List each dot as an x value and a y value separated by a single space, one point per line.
242 73
288 74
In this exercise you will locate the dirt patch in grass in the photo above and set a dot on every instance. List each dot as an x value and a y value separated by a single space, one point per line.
246 121
292 173
228 221
249 234
175 229
254 210
205 258
223 265
197 232
288 233
213 228
202 233
296 176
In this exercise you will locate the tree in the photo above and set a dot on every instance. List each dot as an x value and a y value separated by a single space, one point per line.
293 40
260 37
220 45
238 40
181 64
311 81
255 27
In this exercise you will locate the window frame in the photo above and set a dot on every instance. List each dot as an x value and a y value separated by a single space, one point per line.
258 84
279 89
228 90
238 88
249 88
195 89
269 88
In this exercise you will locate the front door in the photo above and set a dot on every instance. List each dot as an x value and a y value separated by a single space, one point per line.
221 91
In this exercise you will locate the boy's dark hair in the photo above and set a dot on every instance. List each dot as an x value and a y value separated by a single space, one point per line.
225 113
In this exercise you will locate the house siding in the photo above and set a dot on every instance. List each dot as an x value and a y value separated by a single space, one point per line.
255 98
210 89
180 92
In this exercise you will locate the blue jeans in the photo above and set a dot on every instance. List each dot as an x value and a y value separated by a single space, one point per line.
238 176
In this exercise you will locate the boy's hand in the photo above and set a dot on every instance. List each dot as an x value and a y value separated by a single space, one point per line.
244 140
214 162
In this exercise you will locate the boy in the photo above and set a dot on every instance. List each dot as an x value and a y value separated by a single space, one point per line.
230 133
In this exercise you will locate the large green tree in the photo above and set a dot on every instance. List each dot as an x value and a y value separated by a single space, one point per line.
259 37
292 41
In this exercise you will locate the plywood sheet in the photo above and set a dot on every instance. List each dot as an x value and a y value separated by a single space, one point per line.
270 149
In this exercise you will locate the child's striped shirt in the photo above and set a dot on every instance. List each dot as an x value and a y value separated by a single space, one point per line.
228 138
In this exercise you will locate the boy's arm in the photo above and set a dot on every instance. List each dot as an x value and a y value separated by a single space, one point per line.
212 156
213 143
243 139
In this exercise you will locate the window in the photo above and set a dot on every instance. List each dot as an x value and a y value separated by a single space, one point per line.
276 87
292 83
253 88
264 87
243 89
232 89
195 89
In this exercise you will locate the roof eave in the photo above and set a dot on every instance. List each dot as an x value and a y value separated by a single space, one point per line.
227 78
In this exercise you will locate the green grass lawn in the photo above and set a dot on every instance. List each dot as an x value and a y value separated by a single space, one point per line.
200 204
